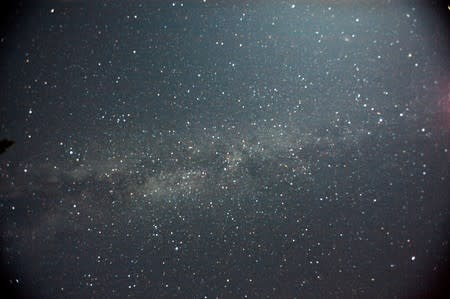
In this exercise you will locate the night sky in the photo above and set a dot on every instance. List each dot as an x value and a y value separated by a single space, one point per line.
232 149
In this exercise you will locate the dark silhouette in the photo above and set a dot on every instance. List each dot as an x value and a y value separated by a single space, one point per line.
5 144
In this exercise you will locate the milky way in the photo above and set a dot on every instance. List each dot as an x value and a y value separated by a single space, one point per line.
181 150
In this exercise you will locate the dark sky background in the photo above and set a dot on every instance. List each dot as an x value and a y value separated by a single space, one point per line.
205 149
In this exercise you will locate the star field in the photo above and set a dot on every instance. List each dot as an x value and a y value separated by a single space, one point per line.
199 149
